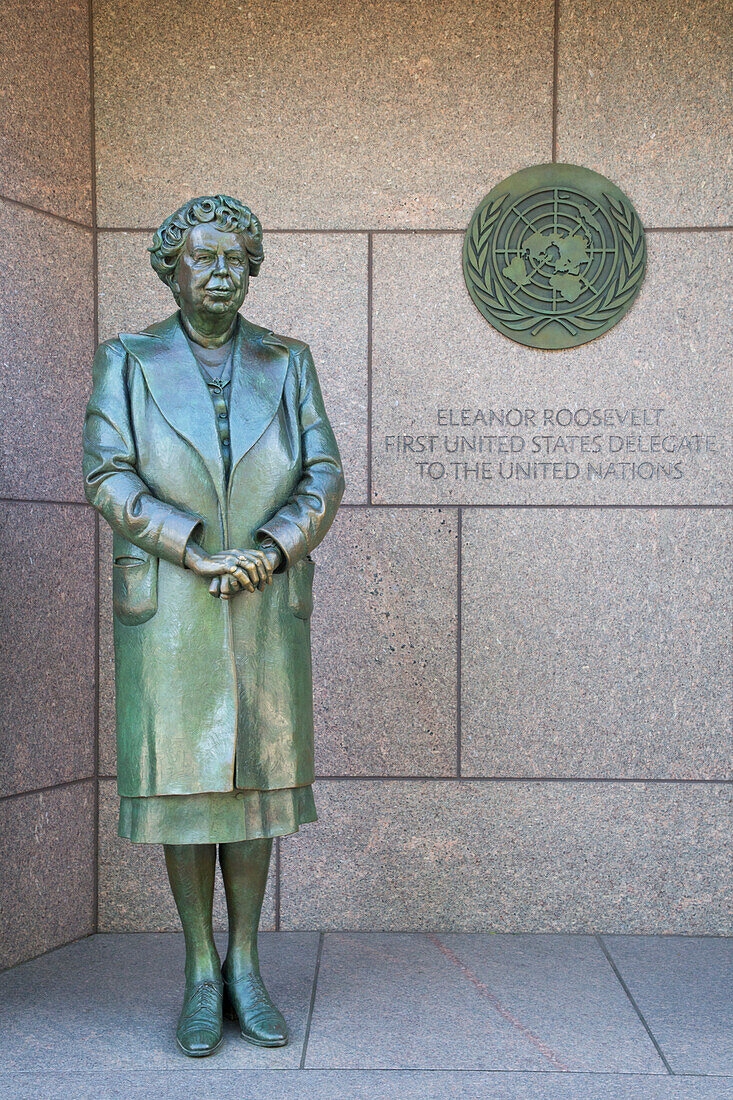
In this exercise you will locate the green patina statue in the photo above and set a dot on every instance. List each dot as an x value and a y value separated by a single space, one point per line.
208 451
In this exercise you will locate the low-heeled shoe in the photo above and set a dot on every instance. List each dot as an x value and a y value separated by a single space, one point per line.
199 1030
247 1000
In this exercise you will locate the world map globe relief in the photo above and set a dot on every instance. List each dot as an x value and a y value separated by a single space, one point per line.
558 264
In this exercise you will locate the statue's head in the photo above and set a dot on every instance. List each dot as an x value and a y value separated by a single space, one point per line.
206 253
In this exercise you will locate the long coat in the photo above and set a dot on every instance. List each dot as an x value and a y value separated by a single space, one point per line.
211 693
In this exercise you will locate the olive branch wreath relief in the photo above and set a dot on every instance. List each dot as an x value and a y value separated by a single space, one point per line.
622 289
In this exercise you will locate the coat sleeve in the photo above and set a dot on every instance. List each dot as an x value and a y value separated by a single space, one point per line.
304 519
111 482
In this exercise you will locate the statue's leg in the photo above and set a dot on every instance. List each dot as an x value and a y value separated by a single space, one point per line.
191 869
244 867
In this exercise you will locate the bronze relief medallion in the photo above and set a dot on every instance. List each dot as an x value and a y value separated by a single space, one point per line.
554 256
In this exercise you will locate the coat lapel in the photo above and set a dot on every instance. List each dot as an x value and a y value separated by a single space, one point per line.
178 388
259 366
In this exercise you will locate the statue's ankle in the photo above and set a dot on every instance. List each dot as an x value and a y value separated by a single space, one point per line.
239 965
202 970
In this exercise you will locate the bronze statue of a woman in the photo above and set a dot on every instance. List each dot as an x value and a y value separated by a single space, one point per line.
208 451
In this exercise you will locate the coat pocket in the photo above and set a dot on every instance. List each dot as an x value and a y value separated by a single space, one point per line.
134 583
300 587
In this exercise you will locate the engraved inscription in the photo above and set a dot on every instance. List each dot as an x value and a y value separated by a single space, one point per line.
474 444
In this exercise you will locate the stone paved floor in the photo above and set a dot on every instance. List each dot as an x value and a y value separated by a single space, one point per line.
403 1016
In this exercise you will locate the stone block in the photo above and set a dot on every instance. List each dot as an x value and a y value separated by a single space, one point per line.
47 337
134 893
311 286
475 1002
384 643
45 123
596 642
111 1003
47 582
47 887
329 1084
340 116
472 856
639 416
643 97
682 986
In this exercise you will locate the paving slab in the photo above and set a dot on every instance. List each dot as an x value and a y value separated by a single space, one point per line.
683 986
492 1002
211 1084
111 1002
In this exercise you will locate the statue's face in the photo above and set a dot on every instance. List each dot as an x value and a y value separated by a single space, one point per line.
212 273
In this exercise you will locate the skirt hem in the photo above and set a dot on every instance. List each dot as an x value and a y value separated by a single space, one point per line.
216 817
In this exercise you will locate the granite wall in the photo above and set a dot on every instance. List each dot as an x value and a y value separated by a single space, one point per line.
523 684
522 674
47 532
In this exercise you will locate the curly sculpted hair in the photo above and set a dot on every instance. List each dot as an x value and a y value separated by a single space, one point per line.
225 213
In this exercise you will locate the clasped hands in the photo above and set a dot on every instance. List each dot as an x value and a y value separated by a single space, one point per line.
233 571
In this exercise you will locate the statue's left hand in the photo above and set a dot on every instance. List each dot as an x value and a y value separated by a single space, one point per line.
227 586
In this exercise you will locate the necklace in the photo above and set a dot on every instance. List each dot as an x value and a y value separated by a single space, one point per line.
216 384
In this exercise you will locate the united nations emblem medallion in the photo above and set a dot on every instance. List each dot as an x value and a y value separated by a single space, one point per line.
554 256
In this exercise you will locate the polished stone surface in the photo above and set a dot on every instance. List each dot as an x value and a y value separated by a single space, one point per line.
45 122
682 986
384 643
360 1085
432 350
512 857
47 340
348 115
312 286
598 643
95 1021
135 983
48 622
644 98
134 893
474 1002
47 838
